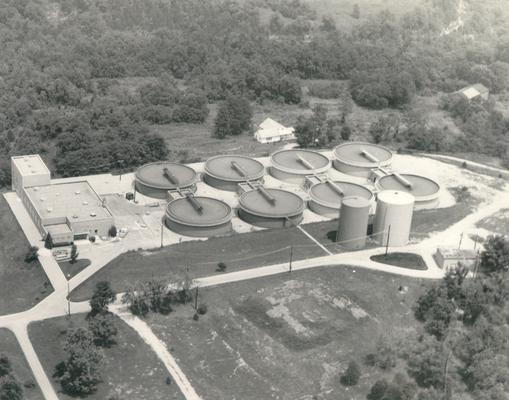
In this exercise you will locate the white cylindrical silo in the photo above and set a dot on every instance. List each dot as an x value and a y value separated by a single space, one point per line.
393 218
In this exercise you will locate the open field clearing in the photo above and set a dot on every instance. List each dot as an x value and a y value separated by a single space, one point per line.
22 285
9 346
497 224
130 369
288 336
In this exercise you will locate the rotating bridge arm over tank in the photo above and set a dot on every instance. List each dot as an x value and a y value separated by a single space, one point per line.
266 195
238 168
305 162
170 176
336 187
369 156
195 203
402 180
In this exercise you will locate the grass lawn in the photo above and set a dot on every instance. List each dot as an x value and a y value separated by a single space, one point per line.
239 251
497 223
403 260
131 370
10 347
70 269
21 285
289 336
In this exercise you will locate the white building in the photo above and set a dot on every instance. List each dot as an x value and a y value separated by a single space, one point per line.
474 91
271 131
451 257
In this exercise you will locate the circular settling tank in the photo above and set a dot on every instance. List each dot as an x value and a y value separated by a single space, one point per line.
353 222
426 191
198 216
271 208
326 197
155 179
393 218
359 158
226 172
294 165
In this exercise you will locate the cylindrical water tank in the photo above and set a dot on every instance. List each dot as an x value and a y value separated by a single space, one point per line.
393 217
353 222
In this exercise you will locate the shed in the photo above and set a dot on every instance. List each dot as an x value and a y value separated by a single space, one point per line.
474 91
451 257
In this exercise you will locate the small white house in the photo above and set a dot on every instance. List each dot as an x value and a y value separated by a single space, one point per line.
474 91
271 131
450 257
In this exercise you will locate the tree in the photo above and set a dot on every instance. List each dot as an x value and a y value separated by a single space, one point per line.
352 374
312 131
384 356
112 232
10 388
495 257
103 296
80 373
346 132
32 254
233 117
74 253
356 12
5 365
426 362
103 329
48 241
289 88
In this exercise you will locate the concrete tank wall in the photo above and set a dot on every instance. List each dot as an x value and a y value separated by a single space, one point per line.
270 222
157 193
395 210
353 222
198 231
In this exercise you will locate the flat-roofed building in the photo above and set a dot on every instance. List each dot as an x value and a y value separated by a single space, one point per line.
75 205
67 211
451 257
28 171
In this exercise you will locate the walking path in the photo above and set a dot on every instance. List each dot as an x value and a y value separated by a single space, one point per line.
160 349
55 305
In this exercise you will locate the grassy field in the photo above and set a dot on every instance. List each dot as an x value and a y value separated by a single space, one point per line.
289 336
239 251
21 285
9 346
497 223
70 269
131 370
403 260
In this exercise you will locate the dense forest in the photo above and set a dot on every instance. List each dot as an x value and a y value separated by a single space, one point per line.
64 65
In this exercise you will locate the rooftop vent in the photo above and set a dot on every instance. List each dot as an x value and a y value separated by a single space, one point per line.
77 192
93 214
49 209
85 203
75 216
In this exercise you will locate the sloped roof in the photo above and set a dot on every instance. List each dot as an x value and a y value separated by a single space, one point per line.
269 128
473 91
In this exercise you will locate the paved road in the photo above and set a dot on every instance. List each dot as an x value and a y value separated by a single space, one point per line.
55 304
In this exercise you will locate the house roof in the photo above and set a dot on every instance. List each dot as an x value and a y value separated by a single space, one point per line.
30 165
455 253
474 90
269 128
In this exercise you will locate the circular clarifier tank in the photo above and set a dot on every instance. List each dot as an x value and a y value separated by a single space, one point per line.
359 158
425 190
271 208
326 197
155 179
226 172
199 216
294 165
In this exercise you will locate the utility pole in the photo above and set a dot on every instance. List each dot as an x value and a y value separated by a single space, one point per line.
68 297
461 239
196 299
291 258
161 234
475 242
388 238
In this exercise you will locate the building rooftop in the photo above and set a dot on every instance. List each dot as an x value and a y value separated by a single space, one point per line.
452 252
76 201
30 165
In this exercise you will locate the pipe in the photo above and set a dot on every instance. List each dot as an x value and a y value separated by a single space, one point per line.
306 163
195 203
241 171
402 180
271 199
336 187
168 175
369 156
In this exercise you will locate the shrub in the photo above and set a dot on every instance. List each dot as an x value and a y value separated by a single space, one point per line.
112 232
196 317
92 239
221 267
168 380
352 374
32 255
202 309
